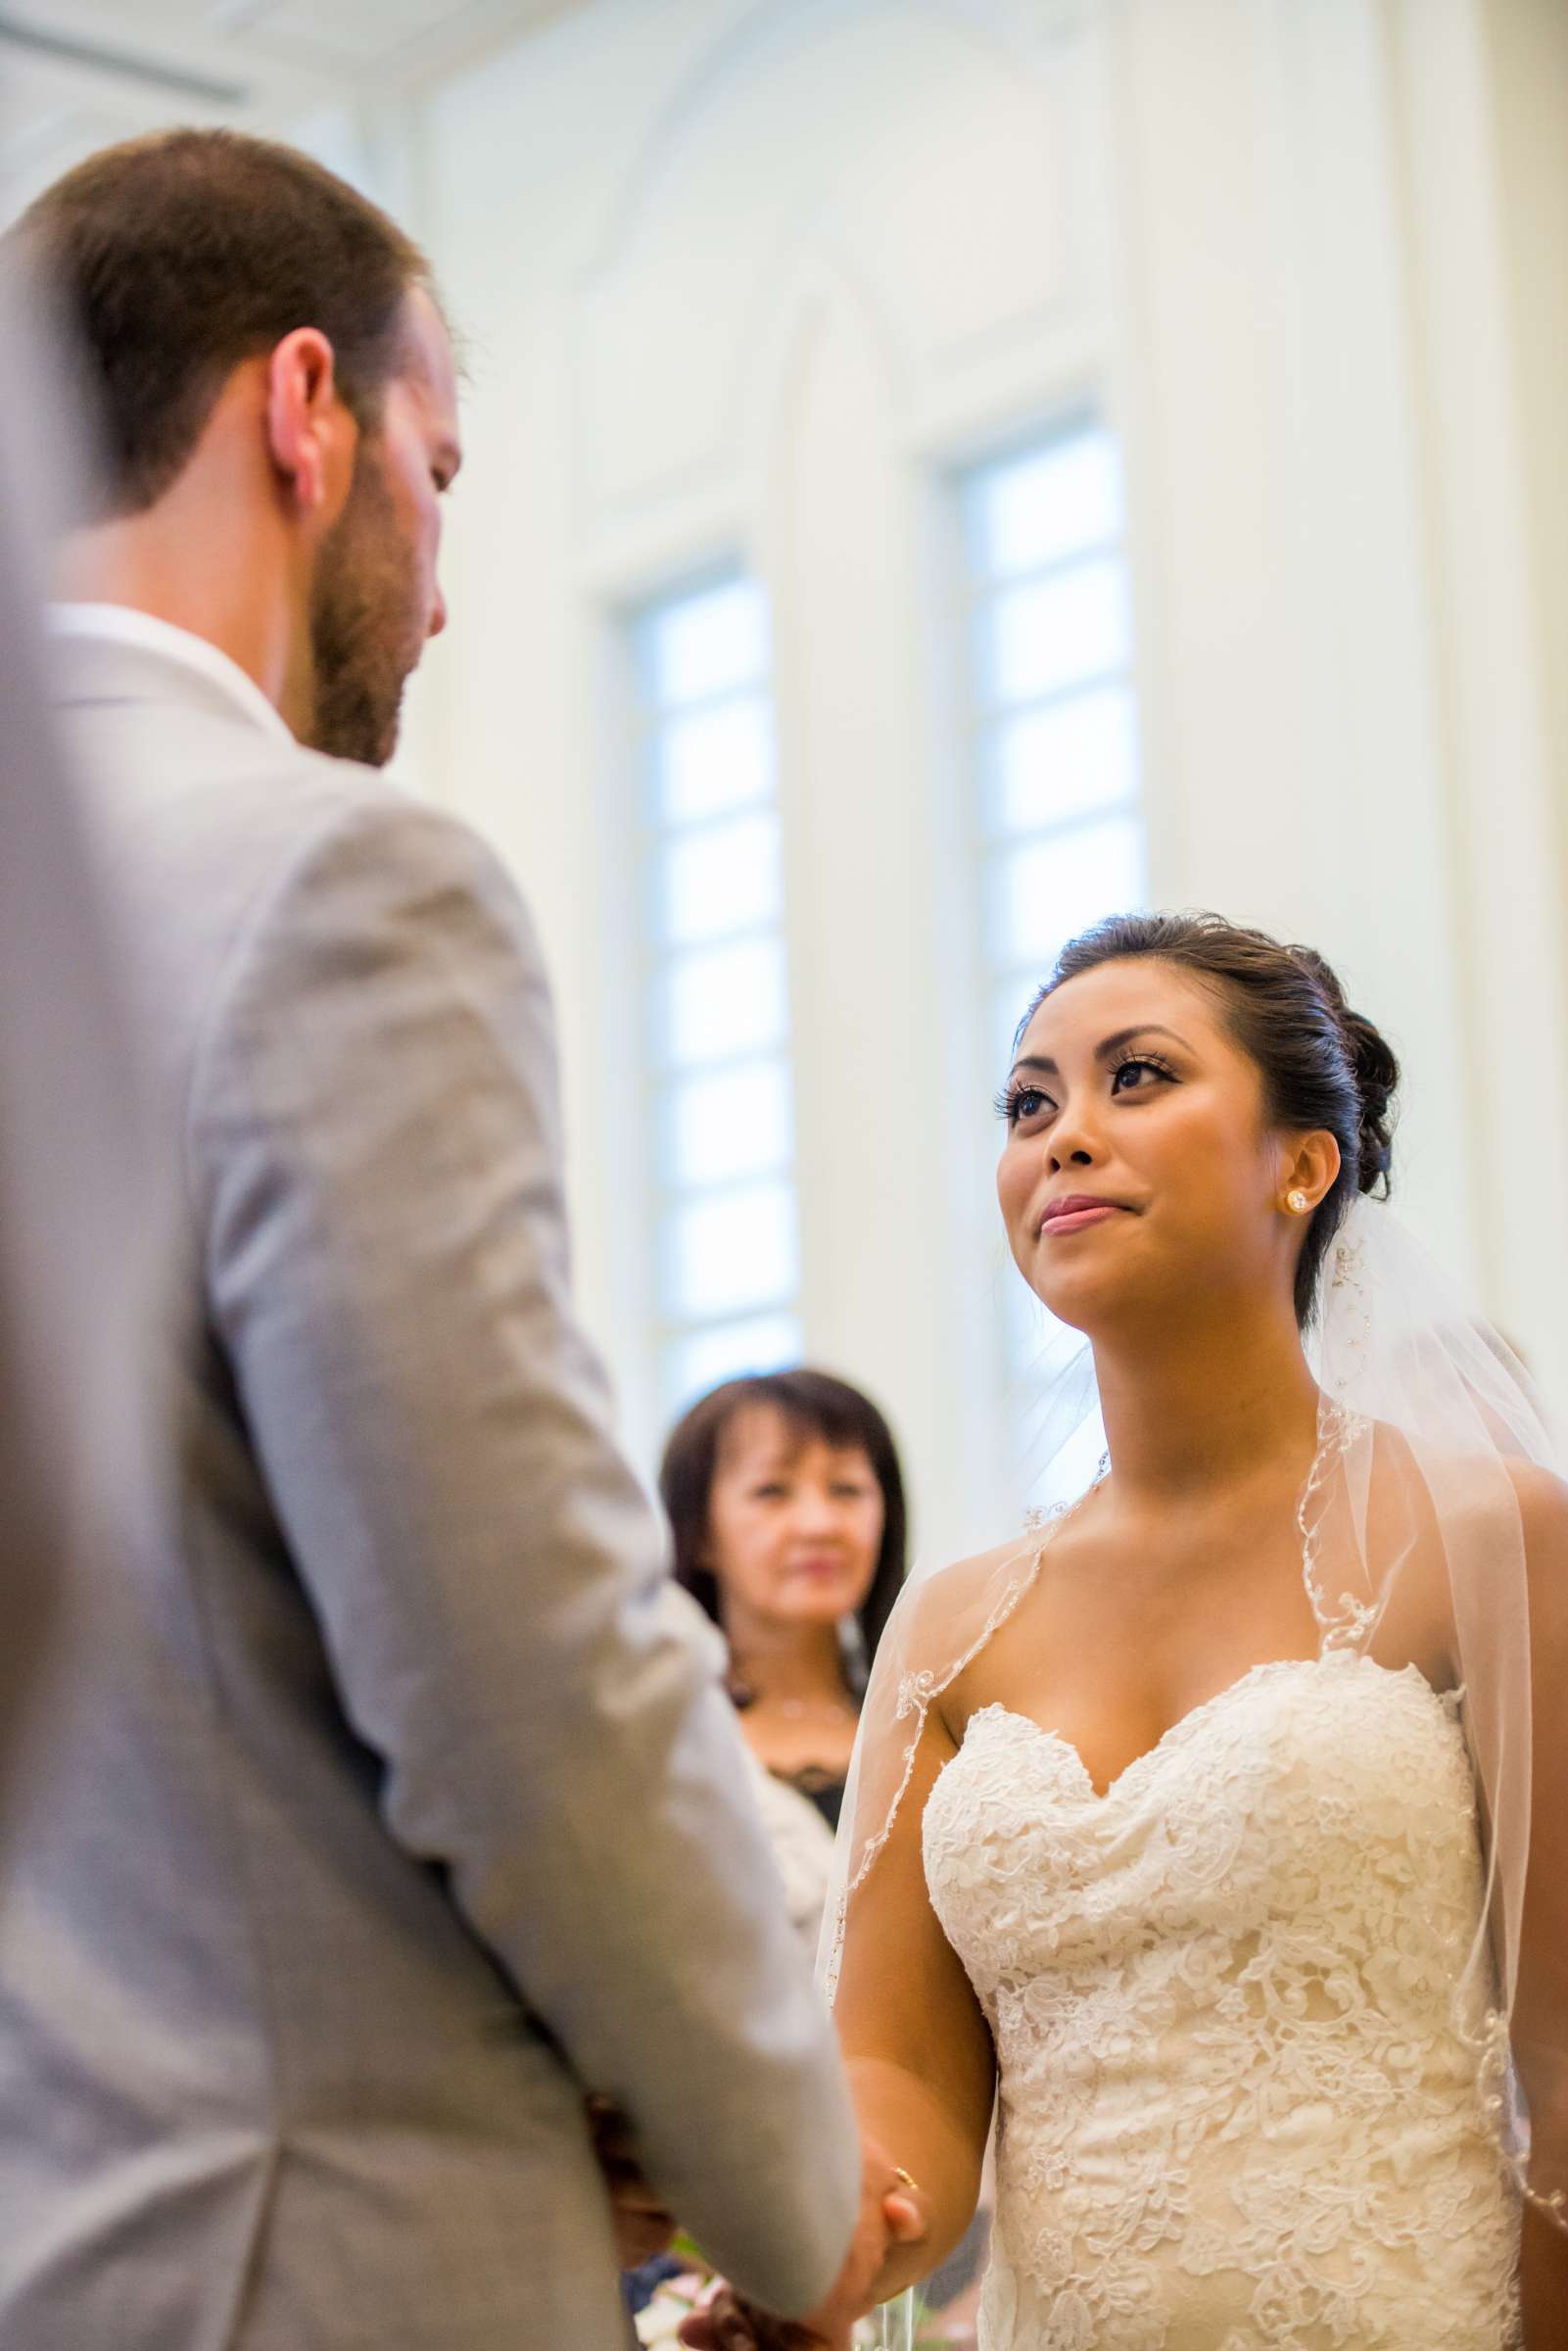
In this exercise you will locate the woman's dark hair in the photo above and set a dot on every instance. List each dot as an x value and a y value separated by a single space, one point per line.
818 1406
178 256
1324 1066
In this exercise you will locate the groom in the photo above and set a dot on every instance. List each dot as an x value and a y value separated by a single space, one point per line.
386 1803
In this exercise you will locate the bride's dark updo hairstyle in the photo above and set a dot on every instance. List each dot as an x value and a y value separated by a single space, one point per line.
1324 1067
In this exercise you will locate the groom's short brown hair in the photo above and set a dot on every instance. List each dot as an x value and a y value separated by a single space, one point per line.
177 257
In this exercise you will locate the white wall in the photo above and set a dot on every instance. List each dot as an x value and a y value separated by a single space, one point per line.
751 280
1485 299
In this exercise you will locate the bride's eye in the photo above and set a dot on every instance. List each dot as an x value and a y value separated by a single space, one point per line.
1022 1104
1140 1062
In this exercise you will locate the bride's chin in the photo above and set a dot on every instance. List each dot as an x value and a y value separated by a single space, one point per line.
1081 1303
1085 1325
1064 1304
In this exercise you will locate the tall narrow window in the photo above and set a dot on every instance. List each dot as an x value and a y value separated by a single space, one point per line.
1055 751
722 1146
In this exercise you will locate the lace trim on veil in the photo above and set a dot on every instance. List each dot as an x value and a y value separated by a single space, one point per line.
916 1691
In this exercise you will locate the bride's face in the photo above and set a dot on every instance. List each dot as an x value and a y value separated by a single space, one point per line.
1139 1170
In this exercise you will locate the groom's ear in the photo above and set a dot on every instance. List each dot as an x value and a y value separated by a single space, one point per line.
311 438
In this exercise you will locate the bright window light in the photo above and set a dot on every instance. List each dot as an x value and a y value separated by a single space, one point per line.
1055 733
722 1140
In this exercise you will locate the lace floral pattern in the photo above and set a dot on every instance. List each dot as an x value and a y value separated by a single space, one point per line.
1239 2102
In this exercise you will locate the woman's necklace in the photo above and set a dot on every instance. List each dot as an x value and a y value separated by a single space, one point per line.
744 1694
814 1709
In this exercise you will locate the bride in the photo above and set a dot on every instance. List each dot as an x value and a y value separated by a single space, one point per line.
1195 1834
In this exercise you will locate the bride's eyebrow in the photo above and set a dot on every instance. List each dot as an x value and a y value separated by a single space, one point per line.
1104 1050
1108 1045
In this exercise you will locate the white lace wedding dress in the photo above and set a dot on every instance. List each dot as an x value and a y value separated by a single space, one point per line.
1237 2106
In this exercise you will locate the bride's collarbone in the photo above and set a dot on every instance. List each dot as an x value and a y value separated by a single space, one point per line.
1110 1651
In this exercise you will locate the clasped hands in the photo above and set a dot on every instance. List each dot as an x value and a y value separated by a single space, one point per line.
891 2213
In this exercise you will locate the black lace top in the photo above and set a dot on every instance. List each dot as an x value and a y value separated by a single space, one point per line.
821 1787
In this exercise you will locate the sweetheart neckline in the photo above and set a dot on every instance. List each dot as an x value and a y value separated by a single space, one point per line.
1206 1706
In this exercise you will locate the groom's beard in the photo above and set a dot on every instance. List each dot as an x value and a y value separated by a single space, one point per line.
365 634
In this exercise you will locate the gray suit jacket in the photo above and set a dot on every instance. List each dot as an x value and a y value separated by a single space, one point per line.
73 1175
388 1800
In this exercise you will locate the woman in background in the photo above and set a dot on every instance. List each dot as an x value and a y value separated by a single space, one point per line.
786 1502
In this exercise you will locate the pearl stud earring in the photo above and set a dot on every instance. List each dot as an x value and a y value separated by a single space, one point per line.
1298 1203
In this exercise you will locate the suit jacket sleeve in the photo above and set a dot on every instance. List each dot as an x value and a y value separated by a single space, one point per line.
376 1161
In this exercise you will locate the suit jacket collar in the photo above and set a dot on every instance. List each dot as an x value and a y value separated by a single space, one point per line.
113 653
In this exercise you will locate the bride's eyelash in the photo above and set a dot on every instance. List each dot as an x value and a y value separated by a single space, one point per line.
1006 1103
1142 1061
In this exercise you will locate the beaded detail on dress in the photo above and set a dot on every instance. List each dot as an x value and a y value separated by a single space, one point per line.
1239 2106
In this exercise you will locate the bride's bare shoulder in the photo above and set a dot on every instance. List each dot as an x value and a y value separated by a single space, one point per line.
1473 1482
1542 1499
947 1610
1479 1510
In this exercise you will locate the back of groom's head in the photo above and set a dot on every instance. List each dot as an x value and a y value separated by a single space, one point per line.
178 257
277 417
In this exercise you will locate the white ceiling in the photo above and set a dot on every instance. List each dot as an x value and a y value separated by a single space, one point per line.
77 74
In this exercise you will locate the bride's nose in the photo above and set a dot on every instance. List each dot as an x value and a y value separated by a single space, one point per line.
1072 1143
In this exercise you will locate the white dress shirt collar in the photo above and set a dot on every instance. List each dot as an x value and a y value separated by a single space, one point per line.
122 624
